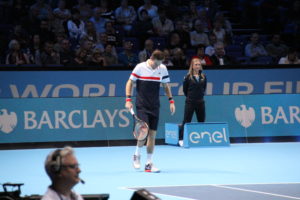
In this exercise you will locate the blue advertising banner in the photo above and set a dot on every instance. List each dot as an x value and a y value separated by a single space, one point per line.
87 119
46 84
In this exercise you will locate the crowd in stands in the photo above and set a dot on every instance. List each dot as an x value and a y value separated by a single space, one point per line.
125 32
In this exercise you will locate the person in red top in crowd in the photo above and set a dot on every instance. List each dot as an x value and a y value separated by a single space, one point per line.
204 59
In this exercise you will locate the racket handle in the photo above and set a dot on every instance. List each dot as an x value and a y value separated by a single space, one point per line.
132 111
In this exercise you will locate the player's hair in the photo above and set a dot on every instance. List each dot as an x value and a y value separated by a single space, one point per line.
158 55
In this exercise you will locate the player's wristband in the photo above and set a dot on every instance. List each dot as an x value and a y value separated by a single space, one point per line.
128 99
172 101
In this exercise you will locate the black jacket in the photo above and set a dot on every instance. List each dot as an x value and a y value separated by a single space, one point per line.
194 90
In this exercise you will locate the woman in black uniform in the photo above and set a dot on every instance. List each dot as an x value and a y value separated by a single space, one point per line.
194 86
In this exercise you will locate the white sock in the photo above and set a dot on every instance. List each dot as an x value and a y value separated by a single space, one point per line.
149 158
138 150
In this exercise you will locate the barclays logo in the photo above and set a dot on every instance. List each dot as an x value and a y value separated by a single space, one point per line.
8 121
244 116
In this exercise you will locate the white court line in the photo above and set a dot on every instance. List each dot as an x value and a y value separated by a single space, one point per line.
254 191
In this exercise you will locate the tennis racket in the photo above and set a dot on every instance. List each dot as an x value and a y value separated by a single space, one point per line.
140 127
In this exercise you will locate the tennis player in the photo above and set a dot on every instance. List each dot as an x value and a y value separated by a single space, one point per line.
148 76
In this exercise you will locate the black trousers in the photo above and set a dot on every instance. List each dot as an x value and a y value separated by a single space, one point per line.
190 107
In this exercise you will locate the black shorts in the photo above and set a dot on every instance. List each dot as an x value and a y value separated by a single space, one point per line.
151 117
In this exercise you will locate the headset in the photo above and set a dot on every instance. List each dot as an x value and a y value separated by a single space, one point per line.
56 161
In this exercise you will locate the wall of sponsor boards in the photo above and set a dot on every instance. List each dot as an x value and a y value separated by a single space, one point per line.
255 103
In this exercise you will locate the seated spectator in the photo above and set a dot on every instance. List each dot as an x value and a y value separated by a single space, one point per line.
125 15
276 48
146 53
65 52
143 28
174 41
198 36
162 25
35 47
150 8
167 61
178 58
76 28
220 32
219 57
291 58
106 12
90 32
85 10
89 47
15 56
45 32
61 15
207 24
226 24
255 49
205 59
110 57
97 59
80 58
128 57
48 55
210 49
112 35
98 21
41 9
183 33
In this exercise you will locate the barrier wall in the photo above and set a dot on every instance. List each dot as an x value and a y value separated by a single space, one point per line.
89 119
23 84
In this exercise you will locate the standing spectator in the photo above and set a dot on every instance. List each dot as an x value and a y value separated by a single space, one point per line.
48 55
76 28
204 59
63 169
151 9
291 58
219 57
255 49
128 57
198 36
276 48
15 56
110 57
61 15
125 15
194 86
162 25
146 53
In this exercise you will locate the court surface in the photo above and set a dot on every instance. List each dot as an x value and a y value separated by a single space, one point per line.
242 171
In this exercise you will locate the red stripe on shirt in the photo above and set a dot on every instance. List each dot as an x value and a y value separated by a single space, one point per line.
146 77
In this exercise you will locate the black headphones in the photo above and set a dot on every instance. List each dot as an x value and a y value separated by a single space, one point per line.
56 161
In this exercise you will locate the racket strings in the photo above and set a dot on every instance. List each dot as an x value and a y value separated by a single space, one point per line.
141 130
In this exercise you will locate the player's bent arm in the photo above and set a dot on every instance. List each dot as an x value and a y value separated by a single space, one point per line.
128 91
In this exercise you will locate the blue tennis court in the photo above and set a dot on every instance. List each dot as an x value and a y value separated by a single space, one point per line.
242 171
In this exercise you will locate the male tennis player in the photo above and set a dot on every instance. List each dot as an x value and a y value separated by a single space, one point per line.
148 75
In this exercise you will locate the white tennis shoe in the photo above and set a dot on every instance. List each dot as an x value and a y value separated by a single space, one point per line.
151 168
136 161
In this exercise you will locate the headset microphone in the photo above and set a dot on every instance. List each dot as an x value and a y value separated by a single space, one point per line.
82 181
